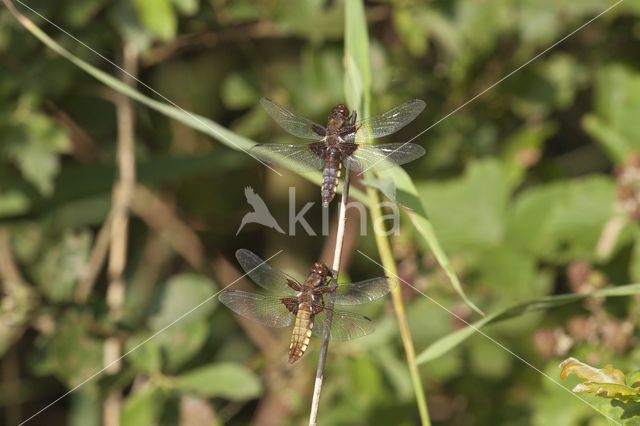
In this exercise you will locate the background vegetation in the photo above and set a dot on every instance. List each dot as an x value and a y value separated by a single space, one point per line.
532 190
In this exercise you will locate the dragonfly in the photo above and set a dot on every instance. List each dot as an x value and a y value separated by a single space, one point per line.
340 142
303 304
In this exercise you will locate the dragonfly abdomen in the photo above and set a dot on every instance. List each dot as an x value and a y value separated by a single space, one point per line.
301 333
330 175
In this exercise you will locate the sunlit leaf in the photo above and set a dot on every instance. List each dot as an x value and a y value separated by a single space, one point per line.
606 382
224 380
158 16
142 406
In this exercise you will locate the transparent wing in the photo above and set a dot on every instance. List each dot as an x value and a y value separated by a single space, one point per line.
263 274
362 291
389 122
267 310
382 156
297 157
292 123
344 325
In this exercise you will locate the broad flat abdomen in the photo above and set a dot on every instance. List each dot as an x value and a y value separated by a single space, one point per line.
330 175
301 333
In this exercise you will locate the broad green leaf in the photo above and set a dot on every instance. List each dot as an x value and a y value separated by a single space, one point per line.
188 327
605 382
617 107
158 16
468 211
407 195
142 407
35 144
450 341
181 342
224 380
146 355
183 293
562 220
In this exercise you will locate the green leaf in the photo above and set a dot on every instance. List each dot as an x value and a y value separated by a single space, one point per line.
158 16
35 145
195 121
181 342
407 195
72 353
617 107
224 380
59 269
182 293
142 407
146 357
357 68
450 341
562 219
607 382
187 7
187 334
483 190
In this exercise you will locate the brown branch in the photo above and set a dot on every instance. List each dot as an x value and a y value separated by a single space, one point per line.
96 260
160 217
119 229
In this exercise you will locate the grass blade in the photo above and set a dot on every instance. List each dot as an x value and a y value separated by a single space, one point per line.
195 121
450 341
358 95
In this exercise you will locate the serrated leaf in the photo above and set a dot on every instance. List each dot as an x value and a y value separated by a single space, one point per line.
450 341
225 380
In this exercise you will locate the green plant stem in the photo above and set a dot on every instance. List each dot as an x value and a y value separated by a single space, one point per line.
386 256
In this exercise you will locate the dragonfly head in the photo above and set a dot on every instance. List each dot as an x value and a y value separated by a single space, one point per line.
321 269
339 112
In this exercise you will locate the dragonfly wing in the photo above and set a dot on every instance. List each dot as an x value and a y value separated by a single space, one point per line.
296 157
344 325
267 310
263 274
362 291
292 123
382 156
389 122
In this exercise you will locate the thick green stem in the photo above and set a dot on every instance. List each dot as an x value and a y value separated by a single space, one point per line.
386 256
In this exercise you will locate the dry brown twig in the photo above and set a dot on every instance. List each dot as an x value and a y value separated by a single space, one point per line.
337 255
119 230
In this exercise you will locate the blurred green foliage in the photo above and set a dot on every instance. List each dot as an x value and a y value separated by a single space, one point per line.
532 190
